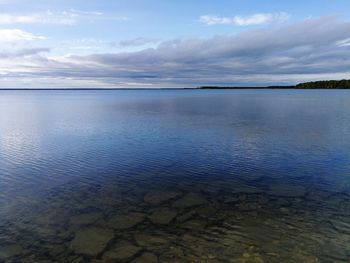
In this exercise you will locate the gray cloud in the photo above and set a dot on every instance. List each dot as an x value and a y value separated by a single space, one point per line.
23 53
308 50
136 42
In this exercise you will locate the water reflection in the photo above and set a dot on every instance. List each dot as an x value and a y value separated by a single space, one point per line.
175 176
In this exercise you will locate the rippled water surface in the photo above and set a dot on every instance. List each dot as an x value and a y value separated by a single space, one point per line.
175 176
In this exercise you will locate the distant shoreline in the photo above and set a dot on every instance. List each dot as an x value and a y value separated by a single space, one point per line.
324 84
327 84
154 89
66 89
267 87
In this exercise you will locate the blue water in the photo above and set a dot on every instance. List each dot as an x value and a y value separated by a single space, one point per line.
54 145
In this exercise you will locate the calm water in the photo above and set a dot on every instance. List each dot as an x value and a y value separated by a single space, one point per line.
175 176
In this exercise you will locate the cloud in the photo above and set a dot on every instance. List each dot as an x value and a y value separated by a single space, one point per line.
136 42
23 53
12 19
15 35
256 19
70 17
284 54
62 18
344 42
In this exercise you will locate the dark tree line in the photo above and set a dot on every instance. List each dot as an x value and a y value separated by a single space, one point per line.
327 84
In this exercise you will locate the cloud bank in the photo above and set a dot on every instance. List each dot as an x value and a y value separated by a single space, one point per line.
284 54
256 19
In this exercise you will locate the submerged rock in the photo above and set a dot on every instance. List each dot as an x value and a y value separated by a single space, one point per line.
247 189
287 190
196 224
299 255
46 231
158 197
146 258
45 261
146 240
78 260
341 225
245 206
171 260
186 216
126 221
85 219
10 251
249 258
121 252
190 200
91 241
206 211
163 216
57 250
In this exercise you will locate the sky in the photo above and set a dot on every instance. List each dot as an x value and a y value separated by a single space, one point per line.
178 43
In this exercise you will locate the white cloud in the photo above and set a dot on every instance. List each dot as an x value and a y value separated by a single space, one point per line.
11 19
344 43
48 17
70 17
255 19
15 35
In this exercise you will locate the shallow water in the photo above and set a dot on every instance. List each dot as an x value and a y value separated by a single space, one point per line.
175 176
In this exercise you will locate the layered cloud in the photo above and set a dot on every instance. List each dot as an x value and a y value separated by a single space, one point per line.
285 54
256 19
23 53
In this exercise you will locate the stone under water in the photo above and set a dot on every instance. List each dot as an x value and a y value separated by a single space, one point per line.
162 216
190 200
10 251
126 221
121 252
158 197
91 241
146 258
85 219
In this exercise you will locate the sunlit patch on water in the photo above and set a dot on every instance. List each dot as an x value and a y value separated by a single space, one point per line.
162 178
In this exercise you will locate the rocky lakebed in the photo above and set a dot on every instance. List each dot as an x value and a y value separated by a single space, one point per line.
214 221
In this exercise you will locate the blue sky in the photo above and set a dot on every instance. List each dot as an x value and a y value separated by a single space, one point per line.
154 43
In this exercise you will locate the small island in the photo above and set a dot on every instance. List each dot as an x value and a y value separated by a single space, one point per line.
325 84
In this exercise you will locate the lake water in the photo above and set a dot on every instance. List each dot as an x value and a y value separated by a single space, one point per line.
175 176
